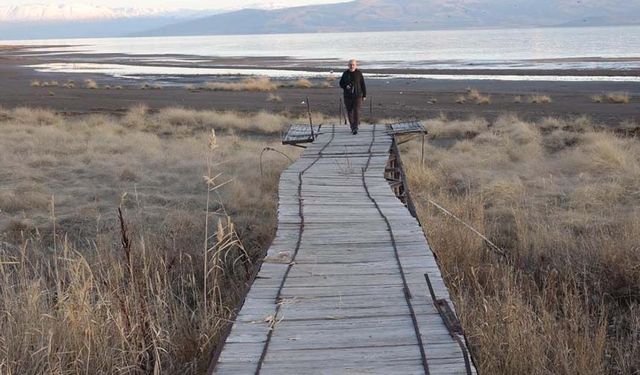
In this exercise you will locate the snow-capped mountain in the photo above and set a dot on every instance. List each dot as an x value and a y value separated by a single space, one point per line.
75 12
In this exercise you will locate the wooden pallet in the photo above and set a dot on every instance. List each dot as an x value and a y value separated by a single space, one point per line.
406 128
300 133
330 297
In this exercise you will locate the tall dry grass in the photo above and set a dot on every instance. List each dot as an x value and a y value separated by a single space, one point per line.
561 198
182 121
84 289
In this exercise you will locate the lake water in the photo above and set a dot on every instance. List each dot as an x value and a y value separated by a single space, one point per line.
610 48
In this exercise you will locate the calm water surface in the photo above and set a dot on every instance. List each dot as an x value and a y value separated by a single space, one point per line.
615 48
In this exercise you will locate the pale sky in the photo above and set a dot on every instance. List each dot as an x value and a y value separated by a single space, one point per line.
187 4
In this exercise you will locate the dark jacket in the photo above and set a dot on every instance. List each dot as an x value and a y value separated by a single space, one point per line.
353 84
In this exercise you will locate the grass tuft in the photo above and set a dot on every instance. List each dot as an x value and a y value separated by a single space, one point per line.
90 84
540 99
477 97
619 97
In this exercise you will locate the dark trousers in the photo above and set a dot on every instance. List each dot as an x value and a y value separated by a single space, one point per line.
353 104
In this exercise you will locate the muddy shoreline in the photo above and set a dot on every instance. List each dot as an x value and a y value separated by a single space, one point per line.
399 98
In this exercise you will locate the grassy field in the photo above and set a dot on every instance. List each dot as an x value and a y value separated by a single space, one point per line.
562 199
83 290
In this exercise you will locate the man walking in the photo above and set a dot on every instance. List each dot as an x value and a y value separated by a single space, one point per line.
355 91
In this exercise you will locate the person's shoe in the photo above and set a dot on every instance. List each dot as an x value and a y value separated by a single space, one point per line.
354 131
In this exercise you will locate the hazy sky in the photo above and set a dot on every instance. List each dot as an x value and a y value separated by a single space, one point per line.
191 4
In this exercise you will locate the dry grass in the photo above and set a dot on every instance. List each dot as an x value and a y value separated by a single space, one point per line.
302 83
181 121
540 99
477 97
517 99
36 83
561 198
248 84
619 97
90 84
597 98
461 99
79 294
441 128
264 84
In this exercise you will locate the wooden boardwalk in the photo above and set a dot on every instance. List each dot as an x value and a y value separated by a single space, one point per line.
342 289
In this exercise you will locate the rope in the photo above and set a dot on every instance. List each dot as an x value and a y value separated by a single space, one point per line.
274 150
295 253
495 247
407 293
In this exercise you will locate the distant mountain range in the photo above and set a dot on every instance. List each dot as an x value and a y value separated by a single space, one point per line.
74 12
82 20
374 15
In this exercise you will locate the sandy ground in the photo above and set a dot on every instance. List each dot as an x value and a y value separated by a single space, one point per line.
395 98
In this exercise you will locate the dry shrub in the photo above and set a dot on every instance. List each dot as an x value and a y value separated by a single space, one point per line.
597 98
461 99
560 197
136 116
619 97
302 83
90 84
248 84
540 99
477 97
34 116
36 83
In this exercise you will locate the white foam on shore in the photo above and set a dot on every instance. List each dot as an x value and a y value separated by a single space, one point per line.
140 71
